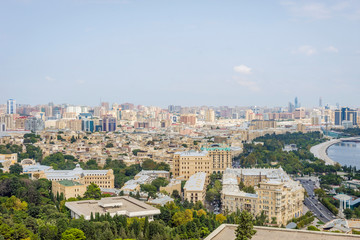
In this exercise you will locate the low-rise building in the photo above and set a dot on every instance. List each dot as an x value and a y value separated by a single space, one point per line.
68 188
121 206
143 177
7 160
102 178
174 184
195 188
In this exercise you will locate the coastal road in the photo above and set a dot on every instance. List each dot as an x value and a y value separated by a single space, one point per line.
320 150
311 202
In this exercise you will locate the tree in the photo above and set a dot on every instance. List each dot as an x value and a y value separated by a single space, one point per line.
73 139
320 193
93 191
135 151
175 194
220 218
348 213
109 145
146 227
160 182
245 229
73 234
16 169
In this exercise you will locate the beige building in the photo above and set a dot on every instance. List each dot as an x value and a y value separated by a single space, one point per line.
210 116
69 188
221 157
175 184
209 160
228 232
121 206
277 194
262 124
102 178
195 188
190 162
7 160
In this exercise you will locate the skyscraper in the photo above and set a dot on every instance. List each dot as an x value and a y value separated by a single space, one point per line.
11 106
345 114
109 124
320 102
296 102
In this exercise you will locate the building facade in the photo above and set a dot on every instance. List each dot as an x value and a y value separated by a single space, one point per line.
190 162
345 114
195 188
102 178
11 106
213 159
277 195
68 188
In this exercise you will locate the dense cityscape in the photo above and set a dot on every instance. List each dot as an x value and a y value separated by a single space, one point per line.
145 172
179 120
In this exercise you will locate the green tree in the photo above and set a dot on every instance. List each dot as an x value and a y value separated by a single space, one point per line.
160 182
245 230
48 232
109 145
135 151
16 169
93 191
73 234
348 213
73 139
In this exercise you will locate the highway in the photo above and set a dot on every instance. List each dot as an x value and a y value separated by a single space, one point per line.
311 202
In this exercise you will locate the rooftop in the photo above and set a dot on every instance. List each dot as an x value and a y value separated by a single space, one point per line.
196 182
192 153
227 231
123 205
69 183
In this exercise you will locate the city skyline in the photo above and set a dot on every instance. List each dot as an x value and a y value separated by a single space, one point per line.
160 53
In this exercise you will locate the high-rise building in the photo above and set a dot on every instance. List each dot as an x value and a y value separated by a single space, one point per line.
299 113
296 103
11 106
171 108
345 114
189 119
291 107
105 105
34 124
210 115
87 125
109 124
320 102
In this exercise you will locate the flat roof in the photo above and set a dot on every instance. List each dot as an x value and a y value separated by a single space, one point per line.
227 231
69 183
196 182
123 205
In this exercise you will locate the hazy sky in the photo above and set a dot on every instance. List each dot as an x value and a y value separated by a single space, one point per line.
180 52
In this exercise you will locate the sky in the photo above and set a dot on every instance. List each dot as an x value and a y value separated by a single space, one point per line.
189 53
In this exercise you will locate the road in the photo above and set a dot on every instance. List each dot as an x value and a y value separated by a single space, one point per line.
311 202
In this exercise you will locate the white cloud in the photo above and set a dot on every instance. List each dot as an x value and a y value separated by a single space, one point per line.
321 9
80 82
332 49
251 85
50 79
242 69
306 50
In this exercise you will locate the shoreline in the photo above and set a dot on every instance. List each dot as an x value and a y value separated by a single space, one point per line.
320 150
